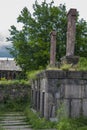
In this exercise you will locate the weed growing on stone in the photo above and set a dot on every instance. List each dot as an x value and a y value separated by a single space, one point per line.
32 74
37 122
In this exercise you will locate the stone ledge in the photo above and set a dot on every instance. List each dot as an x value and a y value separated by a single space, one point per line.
70 59
59 74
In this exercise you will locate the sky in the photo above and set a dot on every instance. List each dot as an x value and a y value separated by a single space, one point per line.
10 10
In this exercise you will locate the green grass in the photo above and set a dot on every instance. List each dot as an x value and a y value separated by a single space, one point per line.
73 124
32 74
37 122
82 128
14 82
1 118
80 66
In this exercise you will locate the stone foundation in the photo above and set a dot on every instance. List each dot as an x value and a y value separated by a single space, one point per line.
53 89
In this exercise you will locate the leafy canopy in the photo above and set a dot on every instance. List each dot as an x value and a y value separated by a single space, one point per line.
31 44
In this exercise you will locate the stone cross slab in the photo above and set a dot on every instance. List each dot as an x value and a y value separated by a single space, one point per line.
53 48
71 31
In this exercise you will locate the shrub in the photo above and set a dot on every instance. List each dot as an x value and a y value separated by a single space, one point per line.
65 124
82 64
37 122
32 74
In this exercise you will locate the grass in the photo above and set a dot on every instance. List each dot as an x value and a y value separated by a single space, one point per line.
64 124
36 122
1 118
14 82
73 124
80 66
32 74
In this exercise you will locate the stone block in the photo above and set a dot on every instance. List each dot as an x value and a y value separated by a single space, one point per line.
84 75
84 91
84 107
76 107
74 75
73 91
70 60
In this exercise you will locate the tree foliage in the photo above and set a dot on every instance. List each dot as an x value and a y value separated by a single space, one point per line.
31 45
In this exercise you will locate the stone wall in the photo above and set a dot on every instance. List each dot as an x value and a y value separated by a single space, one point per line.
53 89
14 92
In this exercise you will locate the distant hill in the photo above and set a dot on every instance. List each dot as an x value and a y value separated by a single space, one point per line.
4 52
4 44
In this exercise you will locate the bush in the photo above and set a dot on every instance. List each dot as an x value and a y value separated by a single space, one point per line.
72 124
82 64
82 128
65 124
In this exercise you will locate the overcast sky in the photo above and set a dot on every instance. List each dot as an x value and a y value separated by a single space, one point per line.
10 10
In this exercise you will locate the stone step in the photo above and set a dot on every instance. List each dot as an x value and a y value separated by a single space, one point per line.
14 121
15 127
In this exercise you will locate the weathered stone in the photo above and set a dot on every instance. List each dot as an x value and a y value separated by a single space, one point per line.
14 121
53 48
14 92
62 87
71 31
76 107
70 60
85 107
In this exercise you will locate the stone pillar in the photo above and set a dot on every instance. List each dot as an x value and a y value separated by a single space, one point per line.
70 58
71 31
53 48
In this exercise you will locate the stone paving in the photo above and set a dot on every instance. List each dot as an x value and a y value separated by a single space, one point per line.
14 121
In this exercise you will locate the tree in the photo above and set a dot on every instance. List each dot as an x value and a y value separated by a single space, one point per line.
31 45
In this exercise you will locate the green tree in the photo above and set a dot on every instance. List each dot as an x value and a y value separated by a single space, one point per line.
31 45
81 38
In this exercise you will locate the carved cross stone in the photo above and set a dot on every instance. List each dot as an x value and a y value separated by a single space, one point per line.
53 48
71 31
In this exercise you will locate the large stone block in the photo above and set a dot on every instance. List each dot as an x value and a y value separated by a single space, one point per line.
76 107
84 107
73 91
84 90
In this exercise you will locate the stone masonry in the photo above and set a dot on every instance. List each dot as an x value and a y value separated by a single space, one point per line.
53 89
70 58
53 48
71 31
56 89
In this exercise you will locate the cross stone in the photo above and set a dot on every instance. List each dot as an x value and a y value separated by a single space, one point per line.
53 48
71 31
70 58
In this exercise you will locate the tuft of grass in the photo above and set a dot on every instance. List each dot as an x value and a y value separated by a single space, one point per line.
73 124
14 82
66 66
65 124
80 66
32 74
36 122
